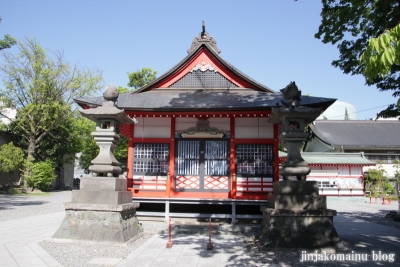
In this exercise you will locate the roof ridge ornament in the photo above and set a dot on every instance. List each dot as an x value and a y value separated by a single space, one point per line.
203 38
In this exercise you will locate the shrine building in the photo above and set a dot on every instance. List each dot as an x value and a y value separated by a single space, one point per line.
203 134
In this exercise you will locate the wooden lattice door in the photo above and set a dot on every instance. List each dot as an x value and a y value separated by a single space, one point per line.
202 165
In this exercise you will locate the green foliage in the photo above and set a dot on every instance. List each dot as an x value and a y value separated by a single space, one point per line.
351 24
11 159
41 88
377 181
141 77
62 143
123 90
396 166
7 42
41 174
381 54
89 147
281 147
3 127
121 151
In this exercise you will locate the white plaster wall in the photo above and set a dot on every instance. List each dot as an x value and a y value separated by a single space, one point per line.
253 128
152 128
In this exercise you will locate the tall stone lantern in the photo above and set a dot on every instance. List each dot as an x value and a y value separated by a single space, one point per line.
102 210
294 119
108 119
296 216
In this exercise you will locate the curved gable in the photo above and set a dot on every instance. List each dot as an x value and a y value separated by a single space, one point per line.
204 69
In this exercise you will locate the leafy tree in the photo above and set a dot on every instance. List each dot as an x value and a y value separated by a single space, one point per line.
351 25
141 77
11 159
89 147
377 181
40 174
61 145
396 166
41 88
3 127
121 151
7 42
123 90
381 54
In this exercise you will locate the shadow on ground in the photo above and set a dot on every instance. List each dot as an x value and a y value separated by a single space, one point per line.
14 201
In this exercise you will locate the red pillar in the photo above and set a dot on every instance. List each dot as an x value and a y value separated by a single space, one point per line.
171 158
129 161
232 158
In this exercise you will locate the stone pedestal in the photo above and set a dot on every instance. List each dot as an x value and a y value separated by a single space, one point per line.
297 217
102 210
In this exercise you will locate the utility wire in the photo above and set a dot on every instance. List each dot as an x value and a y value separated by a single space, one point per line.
361 111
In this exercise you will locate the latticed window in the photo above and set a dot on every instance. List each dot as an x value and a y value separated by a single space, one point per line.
188 157
203 79
150 158
254 160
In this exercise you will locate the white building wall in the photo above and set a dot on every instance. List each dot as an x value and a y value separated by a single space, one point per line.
249 128
152 128
337 111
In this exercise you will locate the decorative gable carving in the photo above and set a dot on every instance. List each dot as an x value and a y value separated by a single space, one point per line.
203 67
202 130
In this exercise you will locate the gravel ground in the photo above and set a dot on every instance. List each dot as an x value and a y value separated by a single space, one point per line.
18 206
79 253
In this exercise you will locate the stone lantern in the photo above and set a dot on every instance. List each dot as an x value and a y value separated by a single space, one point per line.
108 119
295 215
102 210
294 119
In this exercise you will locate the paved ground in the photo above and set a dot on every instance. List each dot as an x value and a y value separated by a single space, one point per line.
27 221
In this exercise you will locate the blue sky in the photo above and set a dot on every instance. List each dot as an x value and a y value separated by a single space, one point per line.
271 41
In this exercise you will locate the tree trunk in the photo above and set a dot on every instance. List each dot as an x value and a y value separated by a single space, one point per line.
31 147
31 153
61 177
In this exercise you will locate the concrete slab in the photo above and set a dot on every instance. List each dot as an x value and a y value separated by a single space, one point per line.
105 261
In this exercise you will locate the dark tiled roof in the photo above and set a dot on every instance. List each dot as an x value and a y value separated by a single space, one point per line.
358 134
176 100
335 158
332 158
